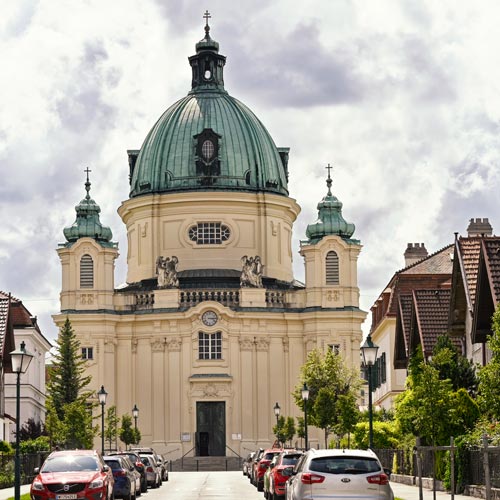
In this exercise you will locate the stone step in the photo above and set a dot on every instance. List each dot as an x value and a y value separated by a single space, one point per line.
190 464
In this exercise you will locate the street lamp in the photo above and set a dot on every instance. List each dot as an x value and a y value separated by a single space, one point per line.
102 395
135 414
277 410
20 361
305 397
369 351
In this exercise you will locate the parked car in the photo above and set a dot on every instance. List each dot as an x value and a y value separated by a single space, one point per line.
73 474
247 463
256 457
339 474
163 464
139 466
278 473
127 479
262 465
152 470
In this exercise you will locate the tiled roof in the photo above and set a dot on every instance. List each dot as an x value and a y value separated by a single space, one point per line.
431 314
4 313
405 308
469 257
491 249
440 262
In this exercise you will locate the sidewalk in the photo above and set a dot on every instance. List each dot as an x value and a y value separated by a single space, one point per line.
407 492
9 492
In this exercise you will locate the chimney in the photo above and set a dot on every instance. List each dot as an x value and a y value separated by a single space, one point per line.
479 227
415 252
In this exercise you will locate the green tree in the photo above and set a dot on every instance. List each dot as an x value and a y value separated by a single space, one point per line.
111 426
279 429
126 433
328 378
289 429
137 436
79 431
386 435
66 382
489 375
31 429
453 366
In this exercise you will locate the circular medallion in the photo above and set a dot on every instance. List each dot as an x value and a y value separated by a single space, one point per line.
209 318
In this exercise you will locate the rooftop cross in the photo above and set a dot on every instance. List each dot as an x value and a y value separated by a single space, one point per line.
329 180
87 184
207 16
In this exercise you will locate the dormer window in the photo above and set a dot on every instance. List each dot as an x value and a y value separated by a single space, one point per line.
207 156
207 150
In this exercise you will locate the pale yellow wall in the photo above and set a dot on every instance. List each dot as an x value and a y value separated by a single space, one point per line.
261 224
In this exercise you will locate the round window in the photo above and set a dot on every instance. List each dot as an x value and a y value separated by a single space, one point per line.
207 149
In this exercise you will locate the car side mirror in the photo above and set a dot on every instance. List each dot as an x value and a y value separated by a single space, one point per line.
36 470
105 468
388 472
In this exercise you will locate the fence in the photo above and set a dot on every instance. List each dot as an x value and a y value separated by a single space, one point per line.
28 462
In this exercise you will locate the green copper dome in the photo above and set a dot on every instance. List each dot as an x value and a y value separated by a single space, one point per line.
330 220
208 140
87 223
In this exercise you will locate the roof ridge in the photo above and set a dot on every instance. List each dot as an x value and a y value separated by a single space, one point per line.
426 258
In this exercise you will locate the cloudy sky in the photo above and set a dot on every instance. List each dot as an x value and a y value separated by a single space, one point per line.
401 97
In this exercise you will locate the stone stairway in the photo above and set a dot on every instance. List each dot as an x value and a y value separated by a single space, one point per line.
190 464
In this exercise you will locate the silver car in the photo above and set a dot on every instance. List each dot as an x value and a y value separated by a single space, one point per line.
331 474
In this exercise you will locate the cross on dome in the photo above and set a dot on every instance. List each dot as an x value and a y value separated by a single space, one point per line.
87 184
329 180
207 16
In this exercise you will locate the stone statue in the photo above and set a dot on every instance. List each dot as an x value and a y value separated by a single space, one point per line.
166 271
251 273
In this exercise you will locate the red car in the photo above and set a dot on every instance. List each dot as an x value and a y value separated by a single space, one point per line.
73 475
262 465
281 472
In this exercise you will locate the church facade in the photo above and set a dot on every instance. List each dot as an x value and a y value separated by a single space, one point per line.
211 328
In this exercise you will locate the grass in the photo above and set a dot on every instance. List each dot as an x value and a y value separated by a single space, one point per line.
26 496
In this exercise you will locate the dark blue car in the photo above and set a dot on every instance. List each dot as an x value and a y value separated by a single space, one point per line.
126 477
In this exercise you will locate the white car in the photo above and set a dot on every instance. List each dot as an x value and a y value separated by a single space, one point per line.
332 474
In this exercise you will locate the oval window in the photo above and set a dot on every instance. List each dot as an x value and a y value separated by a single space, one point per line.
207 149
207 74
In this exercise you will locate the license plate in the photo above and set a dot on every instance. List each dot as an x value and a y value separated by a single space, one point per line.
68 496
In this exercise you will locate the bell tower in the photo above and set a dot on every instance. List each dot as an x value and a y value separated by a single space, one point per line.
87 259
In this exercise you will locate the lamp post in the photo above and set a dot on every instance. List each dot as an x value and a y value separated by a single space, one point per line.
277 410
135 414
369 351
102 395
20 361
305 398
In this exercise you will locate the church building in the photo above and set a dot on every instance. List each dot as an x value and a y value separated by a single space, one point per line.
210 329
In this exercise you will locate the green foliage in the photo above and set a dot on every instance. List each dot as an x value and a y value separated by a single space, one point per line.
126 433
5 447
453 366
41 443
430 407
289 429
279 429
111 426
386 435
333 387
489 375
137 436
78 428
7 474
66 381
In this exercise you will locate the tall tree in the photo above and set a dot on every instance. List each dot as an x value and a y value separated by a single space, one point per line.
328 378
489 375
67 381
126 433
111 426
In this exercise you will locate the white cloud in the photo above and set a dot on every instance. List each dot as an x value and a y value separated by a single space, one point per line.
401 97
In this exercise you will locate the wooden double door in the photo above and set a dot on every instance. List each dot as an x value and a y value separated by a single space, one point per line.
210 428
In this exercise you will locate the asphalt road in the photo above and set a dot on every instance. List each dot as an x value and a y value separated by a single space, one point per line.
204 485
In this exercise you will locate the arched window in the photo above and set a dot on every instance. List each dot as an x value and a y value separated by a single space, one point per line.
86 272
332 268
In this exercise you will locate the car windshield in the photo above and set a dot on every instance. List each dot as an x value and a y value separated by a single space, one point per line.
114 464
70 463
270 455
344 465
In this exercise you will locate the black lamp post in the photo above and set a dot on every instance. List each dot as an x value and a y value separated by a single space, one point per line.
135 414
277 410
102 394
305 398
369 351
20 361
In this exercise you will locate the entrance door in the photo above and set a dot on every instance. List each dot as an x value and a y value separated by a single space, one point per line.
210 429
